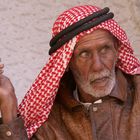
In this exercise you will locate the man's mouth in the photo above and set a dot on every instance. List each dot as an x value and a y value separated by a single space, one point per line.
100 81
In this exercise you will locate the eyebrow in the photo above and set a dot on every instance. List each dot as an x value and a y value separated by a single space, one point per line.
106 42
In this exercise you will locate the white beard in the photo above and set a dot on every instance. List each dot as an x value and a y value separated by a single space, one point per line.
87 88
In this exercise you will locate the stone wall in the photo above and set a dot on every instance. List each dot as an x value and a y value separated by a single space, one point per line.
25 30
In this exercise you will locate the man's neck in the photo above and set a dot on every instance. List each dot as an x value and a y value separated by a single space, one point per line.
86 98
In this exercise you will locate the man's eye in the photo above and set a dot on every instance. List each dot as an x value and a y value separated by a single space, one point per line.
105 49
84 54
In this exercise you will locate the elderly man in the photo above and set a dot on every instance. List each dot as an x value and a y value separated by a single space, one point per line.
95 76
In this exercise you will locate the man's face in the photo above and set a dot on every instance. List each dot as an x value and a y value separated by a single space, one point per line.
93 63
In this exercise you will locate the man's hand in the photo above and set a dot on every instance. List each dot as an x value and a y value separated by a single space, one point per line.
1 68
8 101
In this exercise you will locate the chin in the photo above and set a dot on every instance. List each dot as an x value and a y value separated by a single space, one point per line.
100 91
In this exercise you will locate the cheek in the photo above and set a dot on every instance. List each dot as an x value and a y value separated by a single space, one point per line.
110 60
80 68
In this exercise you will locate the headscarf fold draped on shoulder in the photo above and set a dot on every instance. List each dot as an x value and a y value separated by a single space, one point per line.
38 101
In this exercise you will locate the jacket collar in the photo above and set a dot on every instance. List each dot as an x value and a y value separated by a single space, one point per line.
121 88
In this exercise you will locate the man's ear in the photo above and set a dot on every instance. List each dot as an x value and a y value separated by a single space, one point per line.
117 44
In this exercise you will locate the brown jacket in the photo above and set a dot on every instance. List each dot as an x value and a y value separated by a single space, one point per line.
116 118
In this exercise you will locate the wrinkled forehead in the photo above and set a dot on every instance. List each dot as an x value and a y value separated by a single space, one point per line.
98 34
96 38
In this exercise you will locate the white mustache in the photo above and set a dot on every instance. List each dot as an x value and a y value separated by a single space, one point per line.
95 76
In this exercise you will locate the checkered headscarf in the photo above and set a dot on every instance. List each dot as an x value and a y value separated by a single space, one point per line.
38 101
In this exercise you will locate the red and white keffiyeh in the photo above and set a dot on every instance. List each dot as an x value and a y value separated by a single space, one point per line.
38 101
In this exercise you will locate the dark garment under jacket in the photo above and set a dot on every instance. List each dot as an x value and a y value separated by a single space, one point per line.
116 118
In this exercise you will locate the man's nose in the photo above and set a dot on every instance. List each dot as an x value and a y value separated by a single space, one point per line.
96 63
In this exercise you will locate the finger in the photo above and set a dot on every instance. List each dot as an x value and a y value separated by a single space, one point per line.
1 72
8 110
1 66
1 69
6 113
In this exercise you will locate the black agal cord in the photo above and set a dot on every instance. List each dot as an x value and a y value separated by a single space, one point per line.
78 27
